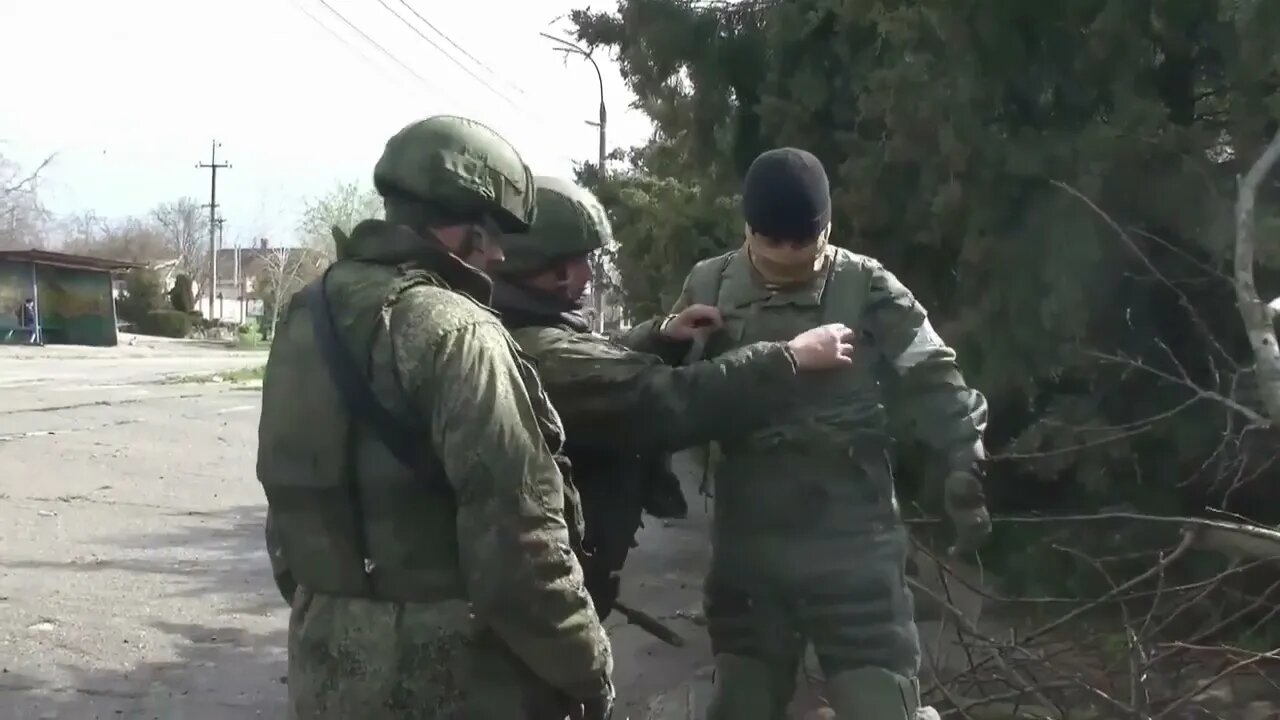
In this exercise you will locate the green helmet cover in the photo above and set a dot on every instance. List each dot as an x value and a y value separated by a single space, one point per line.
570 222
461 167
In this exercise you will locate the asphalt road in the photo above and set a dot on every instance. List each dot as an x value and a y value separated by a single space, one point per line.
133 582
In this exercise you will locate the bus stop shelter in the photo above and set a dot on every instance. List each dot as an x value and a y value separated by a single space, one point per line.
68 298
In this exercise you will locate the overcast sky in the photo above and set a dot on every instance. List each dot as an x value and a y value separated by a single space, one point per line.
130 94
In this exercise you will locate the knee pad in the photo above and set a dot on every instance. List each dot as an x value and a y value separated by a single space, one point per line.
875 694
747 688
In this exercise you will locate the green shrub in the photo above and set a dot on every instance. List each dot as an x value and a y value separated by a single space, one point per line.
167 323
249 335
143 293
181 296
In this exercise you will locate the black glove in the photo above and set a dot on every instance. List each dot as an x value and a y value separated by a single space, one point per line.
661 494
603 589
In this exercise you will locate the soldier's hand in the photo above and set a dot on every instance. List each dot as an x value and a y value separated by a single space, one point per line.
691 322
967 507
823 348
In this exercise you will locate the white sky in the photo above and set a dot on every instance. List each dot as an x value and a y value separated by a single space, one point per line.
130 94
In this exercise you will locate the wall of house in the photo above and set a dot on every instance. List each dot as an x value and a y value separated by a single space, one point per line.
232 307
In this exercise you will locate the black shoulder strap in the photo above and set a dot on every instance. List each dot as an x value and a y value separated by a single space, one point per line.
353 385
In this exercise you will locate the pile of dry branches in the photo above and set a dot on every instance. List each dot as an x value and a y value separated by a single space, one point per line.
1178 629
1183 622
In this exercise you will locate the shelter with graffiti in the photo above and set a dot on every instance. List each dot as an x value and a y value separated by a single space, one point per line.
52 298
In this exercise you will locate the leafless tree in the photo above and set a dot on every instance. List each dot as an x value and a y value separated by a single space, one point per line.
83 230
23 218
343 207
284 271
132 239
186 231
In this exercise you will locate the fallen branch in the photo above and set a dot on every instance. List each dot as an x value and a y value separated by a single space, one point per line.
968 626
1101 660
1228 538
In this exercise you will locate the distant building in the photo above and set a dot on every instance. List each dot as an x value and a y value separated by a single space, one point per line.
239 270
235 300
72 295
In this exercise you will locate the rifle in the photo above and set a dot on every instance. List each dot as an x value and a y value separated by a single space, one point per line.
649 624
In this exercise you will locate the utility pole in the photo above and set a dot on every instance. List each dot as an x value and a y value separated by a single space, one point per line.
598 269
239 278
216 251
213 165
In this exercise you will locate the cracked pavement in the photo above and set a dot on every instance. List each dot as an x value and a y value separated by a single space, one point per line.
133 582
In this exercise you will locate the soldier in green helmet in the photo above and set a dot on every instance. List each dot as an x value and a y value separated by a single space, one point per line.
419 523
808 546
622 403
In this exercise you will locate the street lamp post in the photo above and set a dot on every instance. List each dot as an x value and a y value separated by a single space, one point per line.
601 126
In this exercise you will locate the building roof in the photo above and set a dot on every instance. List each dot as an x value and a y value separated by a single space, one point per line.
65 260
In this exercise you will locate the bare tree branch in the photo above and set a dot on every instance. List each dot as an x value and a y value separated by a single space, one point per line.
186 229
1145 648
23 218
1254 313
284 272
28 182
344 206
1151 266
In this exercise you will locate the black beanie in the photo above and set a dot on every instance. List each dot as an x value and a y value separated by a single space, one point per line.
786 195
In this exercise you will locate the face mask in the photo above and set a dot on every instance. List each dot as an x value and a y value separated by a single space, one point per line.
786 263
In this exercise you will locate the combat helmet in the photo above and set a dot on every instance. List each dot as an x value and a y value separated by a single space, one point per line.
459 167
570 222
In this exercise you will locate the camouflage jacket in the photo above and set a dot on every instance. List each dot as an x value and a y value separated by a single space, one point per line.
623 407
834 444
367 536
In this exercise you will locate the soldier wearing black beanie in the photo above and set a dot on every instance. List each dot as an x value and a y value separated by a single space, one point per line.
808 544
786 195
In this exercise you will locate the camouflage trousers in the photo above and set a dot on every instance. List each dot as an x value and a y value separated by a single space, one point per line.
356 658
767 599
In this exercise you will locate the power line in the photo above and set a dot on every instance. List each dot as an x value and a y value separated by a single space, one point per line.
537 117
461 49
445 53
375 43
338 36
534 114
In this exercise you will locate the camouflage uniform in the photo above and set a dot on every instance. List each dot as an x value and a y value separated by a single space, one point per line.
621 402
808 542
447 589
